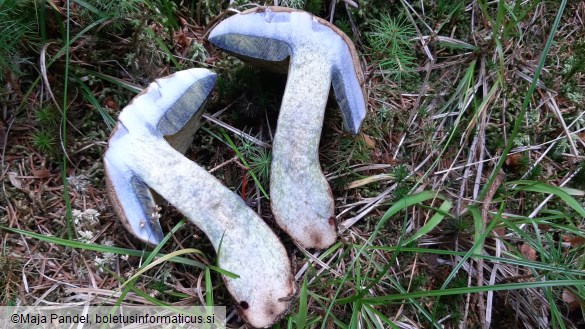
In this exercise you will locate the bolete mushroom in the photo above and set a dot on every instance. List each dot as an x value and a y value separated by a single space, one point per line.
139 159
319 54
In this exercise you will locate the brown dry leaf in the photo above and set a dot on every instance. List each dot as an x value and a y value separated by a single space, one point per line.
570 299
41 173
499 231
581 135
56 6
575 241
181 39
369 141
183 22
513 160
528 251
111 104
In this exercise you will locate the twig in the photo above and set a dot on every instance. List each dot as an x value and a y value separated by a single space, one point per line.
223 164
552 105
237 131
484 216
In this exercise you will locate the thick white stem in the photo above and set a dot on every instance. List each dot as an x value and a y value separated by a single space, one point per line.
247 246
301 197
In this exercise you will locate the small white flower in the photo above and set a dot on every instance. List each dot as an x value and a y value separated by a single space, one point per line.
85 236
77 216
108 259
79 183
108 243
91 215
155 216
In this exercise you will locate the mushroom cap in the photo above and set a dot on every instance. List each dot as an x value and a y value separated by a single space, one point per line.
273 34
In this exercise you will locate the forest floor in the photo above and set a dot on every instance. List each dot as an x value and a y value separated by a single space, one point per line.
459 204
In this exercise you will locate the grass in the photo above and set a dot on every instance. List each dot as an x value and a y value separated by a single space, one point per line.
17 32
459 204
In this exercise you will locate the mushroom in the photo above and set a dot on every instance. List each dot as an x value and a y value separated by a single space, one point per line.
318 54
139 159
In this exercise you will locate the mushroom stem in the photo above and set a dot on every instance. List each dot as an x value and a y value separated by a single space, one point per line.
248 247
302 202
139 159
319 56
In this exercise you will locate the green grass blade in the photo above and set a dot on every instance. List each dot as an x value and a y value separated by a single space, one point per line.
520 118
117 81
115 250
432 223
42 22
473 250
512 261
303 306
91 8
382 300
407 202
63 132
241 157
128 285
208 288
477 225
108 120
540 187
160 260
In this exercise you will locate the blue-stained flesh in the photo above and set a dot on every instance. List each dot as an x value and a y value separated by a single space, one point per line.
348 94
177 116
253 47
130 195
271 35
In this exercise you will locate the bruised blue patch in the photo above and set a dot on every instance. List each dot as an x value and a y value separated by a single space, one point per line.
187 106
253 47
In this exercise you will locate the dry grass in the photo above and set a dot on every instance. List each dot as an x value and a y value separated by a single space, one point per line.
451 137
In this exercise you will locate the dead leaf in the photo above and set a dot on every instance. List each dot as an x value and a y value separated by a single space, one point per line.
183 22
41 173
570 299
111 104
499 231
575 241
369 141
14 181
528 251
513 160
182 40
